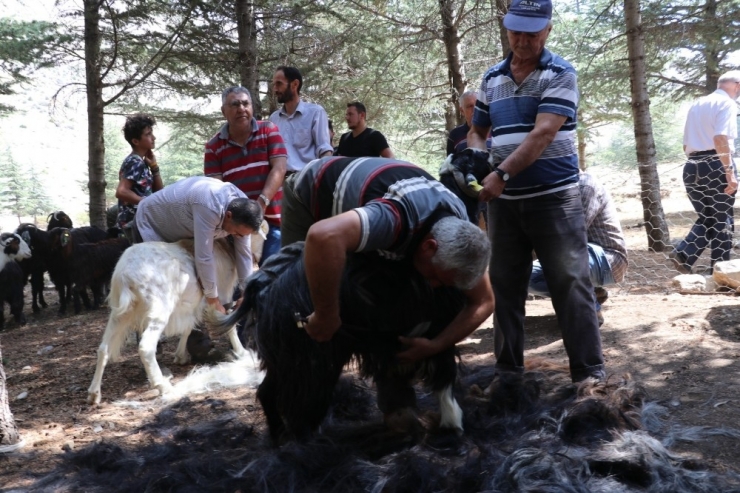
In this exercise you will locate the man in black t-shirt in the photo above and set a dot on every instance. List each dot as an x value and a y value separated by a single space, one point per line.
361 141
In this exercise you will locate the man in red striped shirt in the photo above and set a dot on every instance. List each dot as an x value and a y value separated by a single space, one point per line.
250 154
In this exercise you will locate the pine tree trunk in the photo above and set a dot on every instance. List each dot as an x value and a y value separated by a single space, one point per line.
654 219
713 47
455 68
503 8
96 143
8 431
248 56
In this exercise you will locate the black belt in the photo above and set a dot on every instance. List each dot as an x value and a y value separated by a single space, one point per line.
710 152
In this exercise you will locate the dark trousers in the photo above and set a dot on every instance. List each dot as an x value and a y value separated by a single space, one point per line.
554 226
131 232
705 181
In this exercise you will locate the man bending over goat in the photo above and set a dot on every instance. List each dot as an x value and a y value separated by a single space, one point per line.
397 210
201 209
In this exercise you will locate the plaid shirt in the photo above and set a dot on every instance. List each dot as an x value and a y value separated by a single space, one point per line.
602 224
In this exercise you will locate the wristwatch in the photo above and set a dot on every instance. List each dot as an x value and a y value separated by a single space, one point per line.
264 199
503 174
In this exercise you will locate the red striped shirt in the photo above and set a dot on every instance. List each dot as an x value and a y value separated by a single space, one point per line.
247 167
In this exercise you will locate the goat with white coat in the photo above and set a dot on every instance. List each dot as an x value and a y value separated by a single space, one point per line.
154 291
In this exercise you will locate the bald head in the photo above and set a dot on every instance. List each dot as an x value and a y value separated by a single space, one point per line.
467 105
730 83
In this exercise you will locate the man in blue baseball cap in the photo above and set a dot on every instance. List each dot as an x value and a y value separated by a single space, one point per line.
528 103
528 16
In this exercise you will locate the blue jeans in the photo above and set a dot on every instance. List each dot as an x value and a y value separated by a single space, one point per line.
705 181
272 243
598 265
554 226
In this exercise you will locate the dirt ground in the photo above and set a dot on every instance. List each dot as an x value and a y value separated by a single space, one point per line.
684 348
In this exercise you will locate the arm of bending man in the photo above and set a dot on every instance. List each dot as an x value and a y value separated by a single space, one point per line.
478 307
205 223
327 244
325 256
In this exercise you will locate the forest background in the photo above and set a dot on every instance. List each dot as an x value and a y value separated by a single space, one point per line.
70 70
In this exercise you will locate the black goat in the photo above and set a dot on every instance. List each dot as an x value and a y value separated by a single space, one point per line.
380 300
38 240
92 264
58 219
462 174
61 241
11 291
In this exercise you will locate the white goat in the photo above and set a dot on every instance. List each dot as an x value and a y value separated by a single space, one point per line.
155 290
12 247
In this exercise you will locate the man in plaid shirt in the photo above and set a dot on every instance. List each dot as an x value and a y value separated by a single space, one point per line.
607 251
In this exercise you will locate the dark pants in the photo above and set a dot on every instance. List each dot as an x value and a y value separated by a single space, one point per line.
296 217
554 226
131 232
705 181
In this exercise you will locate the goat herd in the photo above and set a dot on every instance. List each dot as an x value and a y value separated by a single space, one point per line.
535 432
75 258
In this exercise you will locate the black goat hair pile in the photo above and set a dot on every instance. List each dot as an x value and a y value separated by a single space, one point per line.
534 432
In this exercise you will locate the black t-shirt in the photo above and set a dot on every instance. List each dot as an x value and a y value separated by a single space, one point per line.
369 143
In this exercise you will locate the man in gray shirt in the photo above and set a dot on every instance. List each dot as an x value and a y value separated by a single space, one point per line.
202 209
303 126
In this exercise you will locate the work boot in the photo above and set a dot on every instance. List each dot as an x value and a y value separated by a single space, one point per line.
679 261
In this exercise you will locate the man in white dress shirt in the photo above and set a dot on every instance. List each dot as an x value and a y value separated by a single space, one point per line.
709 174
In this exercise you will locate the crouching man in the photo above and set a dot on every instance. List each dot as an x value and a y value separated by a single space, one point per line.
397 210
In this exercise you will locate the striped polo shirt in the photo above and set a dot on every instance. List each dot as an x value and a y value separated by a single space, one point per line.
511 111
397 201
247 167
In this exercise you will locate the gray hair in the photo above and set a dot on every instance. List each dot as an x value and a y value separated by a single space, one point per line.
467 94
461 246
234 90
731 76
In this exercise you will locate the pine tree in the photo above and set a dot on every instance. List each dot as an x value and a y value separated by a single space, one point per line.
18 186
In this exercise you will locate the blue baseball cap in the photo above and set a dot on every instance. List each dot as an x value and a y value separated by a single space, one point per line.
528 16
